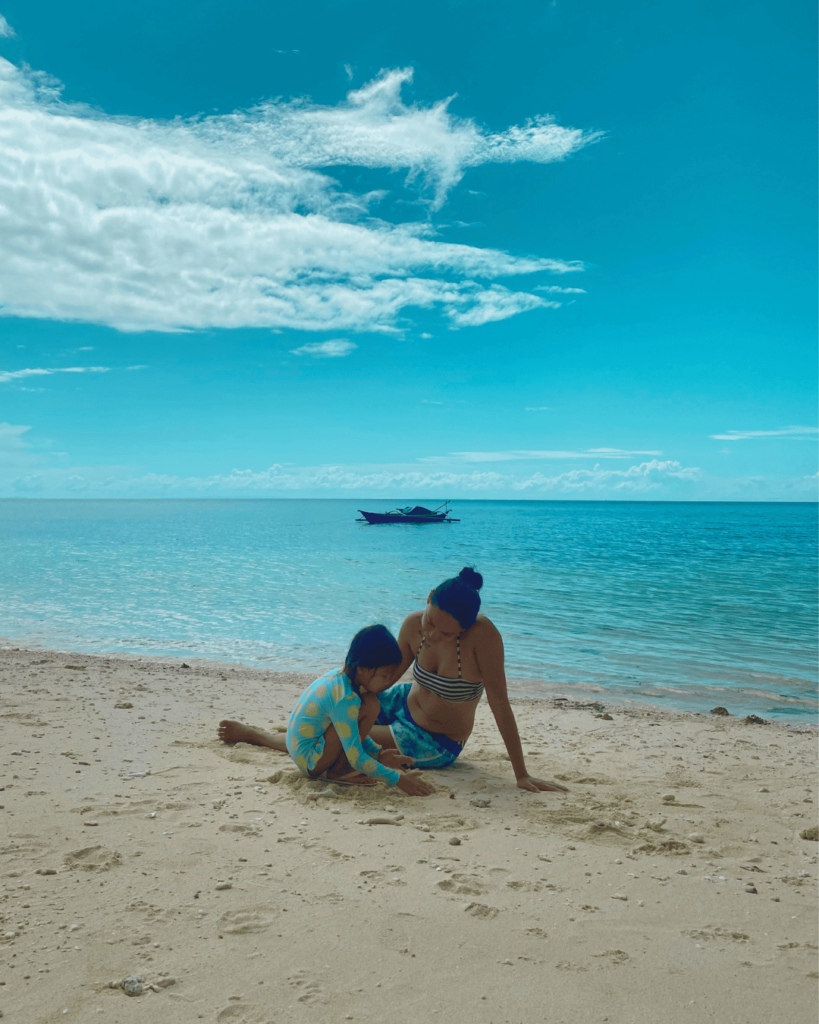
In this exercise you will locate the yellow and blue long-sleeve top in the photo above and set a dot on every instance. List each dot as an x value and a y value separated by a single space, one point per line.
331 700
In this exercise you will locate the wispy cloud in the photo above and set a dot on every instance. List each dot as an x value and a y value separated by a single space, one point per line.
515 455
536 408
9 375
557 290
6 31
326 349
803 433
228 221
648 476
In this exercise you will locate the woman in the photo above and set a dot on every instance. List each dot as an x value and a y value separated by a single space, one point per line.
456 655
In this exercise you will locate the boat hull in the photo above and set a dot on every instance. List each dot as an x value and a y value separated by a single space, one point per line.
382 518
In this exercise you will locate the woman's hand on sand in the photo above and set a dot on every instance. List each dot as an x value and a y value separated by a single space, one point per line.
533 785
413 785
395 759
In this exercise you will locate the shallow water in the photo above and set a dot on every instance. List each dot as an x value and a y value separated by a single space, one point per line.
689 605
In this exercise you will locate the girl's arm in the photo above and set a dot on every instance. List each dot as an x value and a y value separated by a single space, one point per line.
489 655
344 716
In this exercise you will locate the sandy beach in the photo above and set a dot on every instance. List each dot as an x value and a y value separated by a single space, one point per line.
672 883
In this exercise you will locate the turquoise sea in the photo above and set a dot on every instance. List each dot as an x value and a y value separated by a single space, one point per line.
687 605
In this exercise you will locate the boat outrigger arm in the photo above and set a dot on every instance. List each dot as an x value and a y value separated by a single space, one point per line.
411 514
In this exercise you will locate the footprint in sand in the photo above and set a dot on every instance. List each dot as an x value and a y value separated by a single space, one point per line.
239 1013
241 922
481 910
462 885
93 858
311 991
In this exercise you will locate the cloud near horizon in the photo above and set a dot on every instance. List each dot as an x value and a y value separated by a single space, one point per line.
226 221
798 433
647 476
522 454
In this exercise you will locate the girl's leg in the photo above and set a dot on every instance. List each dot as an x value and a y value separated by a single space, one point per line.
235 732
333 761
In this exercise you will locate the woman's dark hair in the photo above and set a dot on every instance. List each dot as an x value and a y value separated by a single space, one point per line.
459 596
371 647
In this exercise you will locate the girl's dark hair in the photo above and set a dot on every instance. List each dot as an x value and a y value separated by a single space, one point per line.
459 596
371 647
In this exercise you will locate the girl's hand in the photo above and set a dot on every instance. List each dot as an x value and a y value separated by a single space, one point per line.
413 785
540 785
395 759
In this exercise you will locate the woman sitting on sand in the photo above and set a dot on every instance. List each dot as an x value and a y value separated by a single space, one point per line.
430 719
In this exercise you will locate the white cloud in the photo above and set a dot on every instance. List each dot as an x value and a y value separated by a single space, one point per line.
645 477
515 455
648 476
801 433
226 221
9 375
326 349
557 290
6 31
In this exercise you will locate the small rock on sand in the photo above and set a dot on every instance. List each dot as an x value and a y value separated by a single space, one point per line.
810 833
480 801
132 985
222 886
719 711
696 837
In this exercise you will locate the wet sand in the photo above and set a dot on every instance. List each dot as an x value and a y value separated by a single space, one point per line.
134 844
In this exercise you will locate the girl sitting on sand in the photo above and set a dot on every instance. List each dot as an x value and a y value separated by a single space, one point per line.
328 730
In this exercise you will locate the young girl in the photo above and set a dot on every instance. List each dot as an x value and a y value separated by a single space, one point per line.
328 730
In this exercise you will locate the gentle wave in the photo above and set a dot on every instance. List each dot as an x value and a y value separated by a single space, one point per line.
683 604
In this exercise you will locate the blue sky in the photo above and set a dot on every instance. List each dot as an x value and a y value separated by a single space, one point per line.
521 250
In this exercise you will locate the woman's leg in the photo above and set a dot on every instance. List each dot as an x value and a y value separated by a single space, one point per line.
235 732
382 735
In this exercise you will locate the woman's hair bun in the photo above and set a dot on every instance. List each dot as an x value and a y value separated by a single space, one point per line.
471 577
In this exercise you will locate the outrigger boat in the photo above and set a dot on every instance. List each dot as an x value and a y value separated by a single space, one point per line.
413 514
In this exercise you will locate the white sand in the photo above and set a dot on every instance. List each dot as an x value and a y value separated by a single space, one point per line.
120 824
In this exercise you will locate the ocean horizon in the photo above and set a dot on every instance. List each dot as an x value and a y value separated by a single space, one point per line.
682 604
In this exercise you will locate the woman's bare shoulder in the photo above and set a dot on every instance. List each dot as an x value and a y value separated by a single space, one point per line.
412 621
484 630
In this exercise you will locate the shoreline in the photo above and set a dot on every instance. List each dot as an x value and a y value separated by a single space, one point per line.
672 881
573 692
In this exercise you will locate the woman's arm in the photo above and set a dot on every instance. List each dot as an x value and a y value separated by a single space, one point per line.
489 655
408 633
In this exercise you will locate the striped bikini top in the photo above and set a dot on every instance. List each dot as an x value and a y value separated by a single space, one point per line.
455 690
